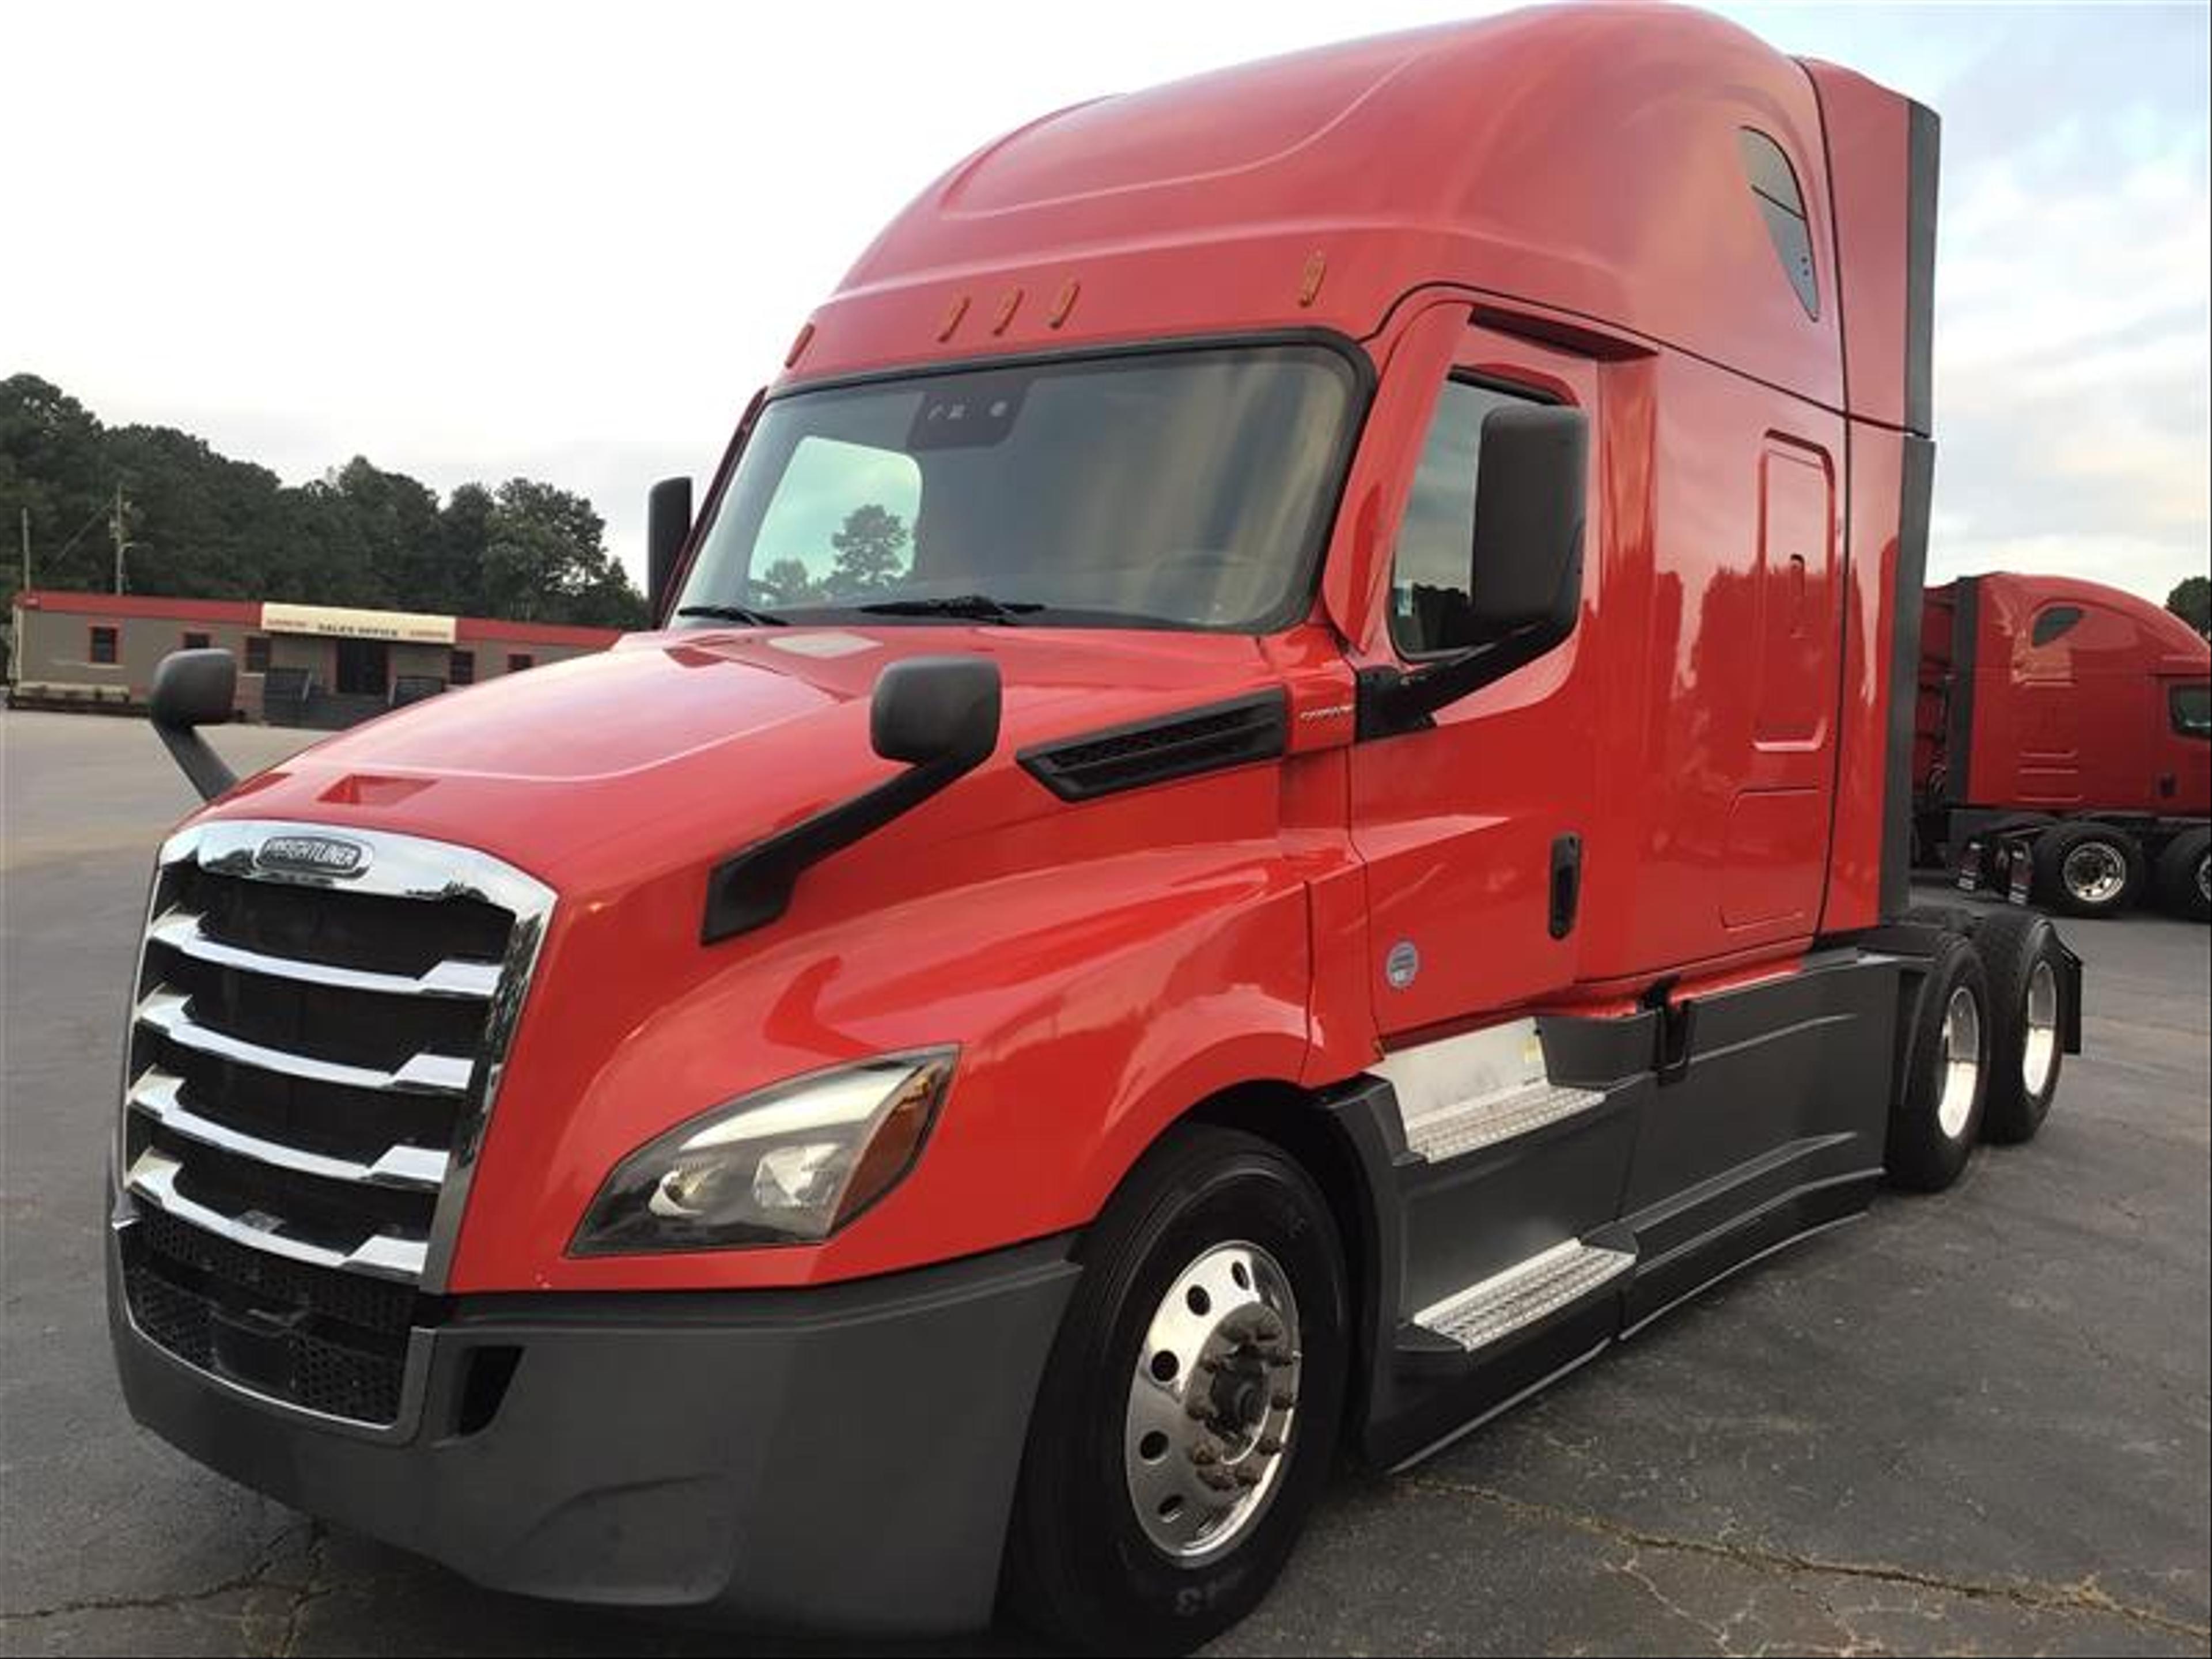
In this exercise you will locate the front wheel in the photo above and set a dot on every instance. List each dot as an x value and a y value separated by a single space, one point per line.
2087 868
1188 1416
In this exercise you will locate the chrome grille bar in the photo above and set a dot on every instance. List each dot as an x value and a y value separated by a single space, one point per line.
154 1177
160 1096
185 931
169 1013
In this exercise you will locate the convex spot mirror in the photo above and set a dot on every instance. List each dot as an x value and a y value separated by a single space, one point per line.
192 689
936 710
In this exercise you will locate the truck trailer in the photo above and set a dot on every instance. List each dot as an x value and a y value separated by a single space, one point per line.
1271 803
2063 745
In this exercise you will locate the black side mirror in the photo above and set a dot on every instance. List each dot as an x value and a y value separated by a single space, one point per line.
667 527
1528 515
192 689
937 715
1525 566
928 711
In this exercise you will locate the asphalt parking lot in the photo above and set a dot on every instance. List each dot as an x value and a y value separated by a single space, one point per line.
1977 1423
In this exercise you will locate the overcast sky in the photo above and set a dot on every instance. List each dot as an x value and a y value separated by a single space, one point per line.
569 241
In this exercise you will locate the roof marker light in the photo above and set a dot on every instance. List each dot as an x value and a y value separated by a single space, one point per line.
1007 307
1309 282
1063 302
799 346
953 313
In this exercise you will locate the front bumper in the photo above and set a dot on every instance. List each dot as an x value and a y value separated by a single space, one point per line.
835 1459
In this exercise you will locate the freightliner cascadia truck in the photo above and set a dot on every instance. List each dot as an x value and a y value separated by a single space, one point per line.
1272 803
2064 745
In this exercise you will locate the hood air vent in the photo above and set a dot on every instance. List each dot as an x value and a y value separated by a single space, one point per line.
1160 749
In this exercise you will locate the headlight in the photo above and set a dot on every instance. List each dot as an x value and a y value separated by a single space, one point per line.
788 1164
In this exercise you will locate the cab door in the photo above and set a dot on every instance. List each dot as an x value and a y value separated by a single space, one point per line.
1473 831
2181 745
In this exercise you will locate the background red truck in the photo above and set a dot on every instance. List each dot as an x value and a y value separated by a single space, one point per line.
1271 805
2063 745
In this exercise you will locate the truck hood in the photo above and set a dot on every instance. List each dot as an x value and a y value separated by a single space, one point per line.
672 747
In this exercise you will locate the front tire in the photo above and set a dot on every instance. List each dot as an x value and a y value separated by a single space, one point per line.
1200 1374
2088 869
1935 1121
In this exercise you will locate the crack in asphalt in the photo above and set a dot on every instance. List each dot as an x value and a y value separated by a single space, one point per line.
309 1593
254 1577
2085 1597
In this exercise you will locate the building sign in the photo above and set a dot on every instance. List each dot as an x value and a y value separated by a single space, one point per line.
337 622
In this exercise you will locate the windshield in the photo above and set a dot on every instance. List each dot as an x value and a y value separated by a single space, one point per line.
1177 489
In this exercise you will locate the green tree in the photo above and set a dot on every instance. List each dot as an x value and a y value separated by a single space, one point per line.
2191 601
50 464
871 550
787 582
198 520
545 559
206 525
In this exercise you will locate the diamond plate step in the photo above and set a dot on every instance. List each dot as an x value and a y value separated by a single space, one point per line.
1468 1126
1524 1293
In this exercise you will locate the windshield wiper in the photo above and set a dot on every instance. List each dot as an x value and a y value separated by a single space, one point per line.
736 613
969 607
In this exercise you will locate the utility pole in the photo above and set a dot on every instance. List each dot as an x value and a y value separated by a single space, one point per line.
26 520
115 525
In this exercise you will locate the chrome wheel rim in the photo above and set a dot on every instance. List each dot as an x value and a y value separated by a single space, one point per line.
1214 1401
1962 1062
2095 873
2040 1050
2204 877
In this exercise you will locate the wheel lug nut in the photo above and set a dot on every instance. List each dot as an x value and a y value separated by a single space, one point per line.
1270 1446
1283 1399
1203 1456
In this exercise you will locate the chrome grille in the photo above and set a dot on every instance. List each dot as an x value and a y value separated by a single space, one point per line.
314 1051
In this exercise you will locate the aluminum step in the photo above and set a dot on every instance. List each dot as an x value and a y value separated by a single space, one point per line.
1468 1126
1524 1293
1460 1094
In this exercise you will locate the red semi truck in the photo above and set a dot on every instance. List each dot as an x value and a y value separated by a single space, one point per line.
1272 804
2063 745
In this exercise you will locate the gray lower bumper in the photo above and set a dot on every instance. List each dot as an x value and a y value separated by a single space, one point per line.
839 1459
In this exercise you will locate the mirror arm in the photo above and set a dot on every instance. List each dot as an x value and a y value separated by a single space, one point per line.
752 887
199 762
1392 700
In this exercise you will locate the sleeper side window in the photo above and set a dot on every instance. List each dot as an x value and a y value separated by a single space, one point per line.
1782 204
2053 624
1430 571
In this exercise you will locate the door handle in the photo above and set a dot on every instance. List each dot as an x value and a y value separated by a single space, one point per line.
1566 882
2167 784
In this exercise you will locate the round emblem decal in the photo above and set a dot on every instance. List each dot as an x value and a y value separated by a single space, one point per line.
1403 965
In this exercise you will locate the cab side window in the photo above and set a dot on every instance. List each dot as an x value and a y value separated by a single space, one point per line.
2192 708
1429 576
